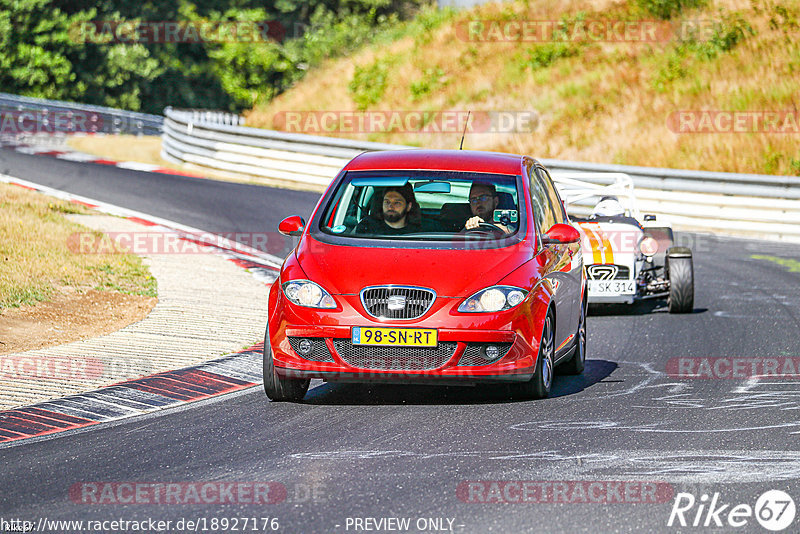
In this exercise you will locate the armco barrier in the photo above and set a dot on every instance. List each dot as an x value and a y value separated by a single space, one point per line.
307 159
751 205
102 119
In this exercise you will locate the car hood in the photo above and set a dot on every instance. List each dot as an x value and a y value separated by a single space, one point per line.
451 273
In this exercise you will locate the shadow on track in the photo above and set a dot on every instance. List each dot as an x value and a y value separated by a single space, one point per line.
642 307
413 394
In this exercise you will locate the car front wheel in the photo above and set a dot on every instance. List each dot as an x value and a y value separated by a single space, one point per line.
538 387
280 388
576 364
681 280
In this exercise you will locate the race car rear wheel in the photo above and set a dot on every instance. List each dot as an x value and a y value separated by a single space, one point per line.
538 387
280 388
681 280
576 364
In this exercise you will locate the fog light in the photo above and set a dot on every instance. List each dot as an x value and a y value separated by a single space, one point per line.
491 352
304 347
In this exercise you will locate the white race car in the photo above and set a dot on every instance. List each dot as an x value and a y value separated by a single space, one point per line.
627 257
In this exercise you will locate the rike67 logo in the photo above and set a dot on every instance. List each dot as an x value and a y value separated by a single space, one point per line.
774 510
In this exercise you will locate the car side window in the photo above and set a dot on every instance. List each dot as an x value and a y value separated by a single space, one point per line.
552 196
542 210
552 193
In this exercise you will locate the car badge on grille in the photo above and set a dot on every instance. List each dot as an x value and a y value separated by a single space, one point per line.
396 302
603 272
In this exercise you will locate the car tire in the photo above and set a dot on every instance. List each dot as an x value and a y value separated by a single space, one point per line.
576 364
280 388
680 270
538 387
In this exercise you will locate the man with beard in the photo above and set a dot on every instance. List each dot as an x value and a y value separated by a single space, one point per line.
399 214
483 201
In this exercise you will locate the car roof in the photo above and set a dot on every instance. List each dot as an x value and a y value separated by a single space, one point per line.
446 160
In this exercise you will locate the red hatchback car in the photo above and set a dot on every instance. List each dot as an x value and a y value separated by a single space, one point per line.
435 266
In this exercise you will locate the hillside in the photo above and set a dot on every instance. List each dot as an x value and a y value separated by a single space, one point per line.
595 100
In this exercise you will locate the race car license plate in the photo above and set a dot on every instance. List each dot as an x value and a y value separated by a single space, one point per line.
611 287
394 337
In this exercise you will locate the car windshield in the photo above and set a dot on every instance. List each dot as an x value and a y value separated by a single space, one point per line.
424 205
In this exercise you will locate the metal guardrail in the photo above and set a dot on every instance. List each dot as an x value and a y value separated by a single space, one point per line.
754 205
38 115
306 159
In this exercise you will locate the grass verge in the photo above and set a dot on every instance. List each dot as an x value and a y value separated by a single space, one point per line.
37 262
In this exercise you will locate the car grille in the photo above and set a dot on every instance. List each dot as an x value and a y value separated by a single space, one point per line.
394 358
319 351
378 301
473 354
600 271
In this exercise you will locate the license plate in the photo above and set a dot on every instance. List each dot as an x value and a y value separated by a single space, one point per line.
395 337
611 287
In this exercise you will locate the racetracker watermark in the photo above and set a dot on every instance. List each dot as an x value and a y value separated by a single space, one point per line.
166 242
178 493
583 31
401 121
31 367
175 31
733 368
22 122
564 492
71 368
722 121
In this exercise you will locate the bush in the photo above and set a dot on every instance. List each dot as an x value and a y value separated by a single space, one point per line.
724 38
545 55
431 80
368 84
666 9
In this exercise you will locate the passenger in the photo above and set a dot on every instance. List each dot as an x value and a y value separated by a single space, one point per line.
399 214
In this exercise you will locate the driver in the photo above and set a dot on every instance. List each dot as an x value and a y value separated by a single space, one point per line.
399 214
483 201
608 206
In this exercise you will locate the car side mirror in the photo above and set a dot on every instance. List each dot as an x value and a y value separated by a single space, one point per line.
561 234
292 226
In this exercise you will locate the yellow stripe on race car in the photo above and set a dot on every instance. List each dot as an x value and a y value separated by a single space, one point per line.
593 241
608 252
601 246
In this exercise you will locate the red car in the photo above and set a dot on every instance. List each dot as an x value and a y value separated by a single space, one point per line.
435 266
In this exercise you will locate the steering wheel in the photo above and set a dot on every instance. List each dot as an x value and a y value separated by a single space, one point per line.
486 228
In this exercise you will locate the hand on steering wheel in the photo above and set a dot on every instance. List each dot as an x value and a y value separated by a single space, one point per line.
484 227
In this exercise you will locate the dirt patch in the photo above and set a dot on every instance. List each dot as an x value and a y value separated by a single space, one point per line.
70 315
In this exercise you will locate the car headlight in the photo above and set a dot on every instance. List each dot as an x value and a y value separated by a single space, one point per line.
648 246
493 299
307 293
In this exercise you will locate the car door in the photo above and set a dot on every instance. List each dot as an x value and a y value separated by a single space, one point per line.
565 272
548 256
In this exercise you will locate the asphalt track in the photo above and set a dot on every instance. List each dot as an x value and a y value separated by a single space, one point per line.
353 452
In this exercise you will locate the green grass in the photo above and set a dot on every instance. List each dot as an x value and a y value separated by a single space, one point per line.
37 259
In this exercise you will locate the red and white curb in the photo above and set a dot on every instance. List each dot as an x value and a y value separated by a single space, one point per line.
131 398
230 373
